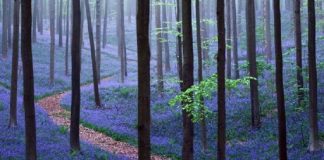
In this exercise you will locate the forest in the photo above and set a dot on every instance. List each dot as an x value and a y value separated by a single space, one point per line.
161 79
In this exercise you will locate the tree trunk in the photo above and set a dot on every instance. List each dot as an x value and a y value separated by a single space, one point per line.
159 47
40 16
188 78
28 74
76 68
98 37
200 74
279 83
35 13
93 56
10 17
120 32
314 143
104 36
166 37
251 50
52 33
179 44
228 41
221 123
14 68
235 41
267 29
299 50
144 76
60 24
5 29
67 38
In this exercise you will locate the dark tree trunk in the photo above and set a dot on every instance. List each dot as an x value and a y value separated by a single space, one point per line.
98 37
76 67
10 17
267 29
144 76
14 68
28 74
5 29
93 56
200 74
314 143
52 33
221 123
299 52
188 77
251 50
279 83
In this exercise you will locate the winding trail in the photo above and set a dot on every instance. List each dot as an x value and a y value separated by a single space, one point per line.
60 117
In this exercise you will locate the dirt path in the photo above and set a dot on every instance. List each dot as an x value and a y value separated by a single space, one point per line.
61 117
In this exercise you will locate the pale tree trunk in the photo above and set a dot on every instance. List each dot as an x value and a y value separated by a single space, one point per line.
267 29
235 41
104 36
98 37
67 38
10 17
159 48
14 68
179 43
60 24
5 29
228 41
40 16
121 44
166 37
35 13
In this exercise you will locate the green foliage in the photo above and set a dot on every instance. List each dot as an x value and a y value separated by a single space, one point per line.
1 107
261 66
192 98
101 156
63 129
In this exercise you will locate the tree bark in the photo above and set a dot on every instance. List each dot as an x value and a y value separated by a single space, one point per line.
166 37
76 68
267 29
228 41
52 33
67 38
35 13
98 37
28 74
104 36
159 47
179 44
60 24
235 41
144 76
5 29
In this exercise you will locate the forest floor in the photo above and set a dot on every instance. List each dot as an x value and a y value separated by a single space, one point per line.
60 116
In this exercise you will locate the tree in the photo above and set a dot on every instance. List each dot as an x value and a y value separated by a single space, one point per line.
267 29
221 123
14 68
98 37
60 24
28 74
235 41
179 44
314 143
104 36
93 55
5 28
52 33
188 77
121 40
159 46
229 40
40 16
299 60
200 72
251 50
76 68
67 38
144 76
35 14
166 37
279 83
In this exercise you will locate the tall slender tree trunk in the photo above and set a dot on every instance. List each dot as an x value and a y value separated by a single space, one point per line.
229 40
159 47
179 43
41 16
144 76
279 83
35 13
28 74
10 17
5 29
267 29
166 37
76 68
200 75
121 48
98 37
52 33
67 38
251 49
104 36
314 143
60 24
188 78
14 68
221 123
299 54
93 56
235 41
